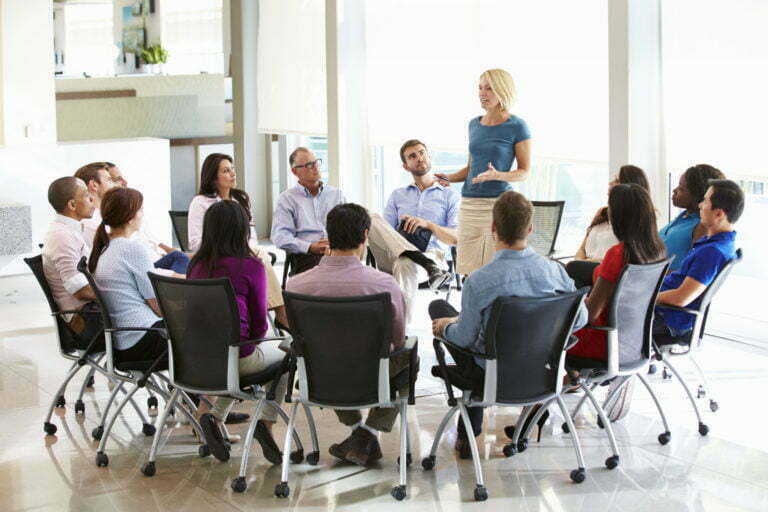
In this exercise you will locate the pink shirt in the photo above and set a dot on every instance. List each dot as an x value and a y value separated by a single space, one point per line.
197 209
345 276
63 247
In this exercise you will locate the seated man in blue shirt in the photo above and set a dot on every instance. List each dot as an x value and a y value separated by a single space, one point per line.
422 204
516 269
298 223
722 206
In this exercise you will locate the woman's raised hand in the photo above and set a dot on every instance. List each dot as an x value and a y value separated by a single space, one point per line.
490 175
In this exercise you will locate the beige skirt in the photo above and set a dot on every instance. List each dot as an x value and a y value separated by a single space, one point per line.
476 243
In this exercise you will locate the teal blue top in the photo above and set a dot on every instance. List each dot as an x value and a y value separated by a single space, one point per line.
678 236
494 144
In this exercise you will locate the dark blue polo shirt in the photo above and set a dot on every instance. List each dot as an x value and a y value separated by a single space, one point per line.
705 259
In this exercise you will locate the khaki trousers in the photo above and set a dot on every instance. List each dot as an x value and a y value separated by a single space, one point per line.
476 242
274 290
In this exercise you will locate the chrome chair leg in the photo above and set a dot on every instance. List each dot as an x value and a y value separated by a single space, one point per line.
282 490
665 436
400 491
148 469
98 432
101 458
703 429
286 419
577 475
472 444
314 456
441 430
239 484
613 461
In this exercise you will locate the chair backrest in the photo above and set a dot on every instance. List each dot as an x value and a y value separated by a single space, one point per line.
546 226
180 229
524 338
706 297
67 341
631 312
342 345
202 320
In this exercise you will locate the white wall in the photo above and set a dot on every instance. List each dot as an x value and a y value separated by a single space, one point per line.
26 171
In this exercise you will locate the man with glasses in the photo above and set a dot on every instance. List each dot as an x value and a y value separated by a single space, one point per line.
298 223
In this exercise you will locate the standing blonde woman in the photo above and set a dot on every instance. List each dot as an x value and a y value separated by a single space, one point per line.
496 139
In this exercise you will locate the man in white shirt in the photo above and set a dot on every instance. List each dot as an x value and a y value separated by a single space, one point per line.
63 248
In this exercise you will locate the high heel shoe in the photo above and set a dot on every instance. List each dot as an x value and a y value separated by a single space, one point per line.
510 429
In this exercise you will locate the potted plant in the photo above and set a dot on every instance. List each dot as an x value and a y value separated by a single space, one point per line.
154 57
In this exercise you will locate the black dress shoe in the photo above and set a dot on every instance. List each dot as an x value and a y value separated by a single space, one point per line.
213 437
234 418
271 452
364 449
340 450
463 449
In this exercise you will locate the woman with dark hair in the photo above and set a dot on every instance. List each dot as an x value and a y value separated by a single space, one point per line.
224 252
633 220
119 265
686 228
218 182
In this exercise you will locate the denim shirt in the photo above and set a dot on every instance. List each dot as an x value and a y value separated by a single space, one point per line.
511 273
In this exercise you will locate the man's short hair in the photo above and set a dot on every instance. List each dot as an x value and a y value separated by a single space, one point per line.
346 225
407 144
61 191
727 196
294 153
90 172
512 215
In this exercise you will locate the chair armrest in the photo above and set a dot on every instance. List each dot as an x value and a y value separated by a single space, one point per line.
73 311
257 340
599 327
463 350
572 340
678 308
158 330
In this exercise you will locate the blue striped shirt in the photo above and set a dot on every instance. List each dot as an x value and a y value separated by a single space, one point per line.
437 204
299 217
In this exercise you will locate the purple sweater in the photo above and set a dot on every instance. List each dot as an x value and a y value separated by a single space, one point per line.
249 279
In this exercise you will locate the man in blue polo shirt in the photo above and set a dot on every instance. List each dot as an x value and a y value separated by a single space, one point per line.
722 206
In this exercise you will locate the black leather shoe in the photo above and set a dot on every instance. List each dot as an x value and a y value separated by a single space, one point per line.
364 449
234 418
271 452
340 450
213 437
462 448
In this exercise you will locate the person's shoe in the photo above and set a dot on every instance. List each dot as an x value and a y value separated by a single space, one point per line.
271 452
213 437
462 448
340 450
509 430
364 449
234 418
437 278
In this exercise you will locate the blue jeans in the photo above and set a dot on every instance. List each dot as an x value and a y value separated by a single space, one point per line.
174 260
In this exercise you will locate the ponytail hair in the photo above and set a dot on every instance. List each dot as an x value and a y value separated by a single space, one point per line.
118 207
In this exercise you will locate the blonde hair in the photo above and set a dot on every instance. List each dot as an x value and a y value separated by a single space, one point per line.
503 87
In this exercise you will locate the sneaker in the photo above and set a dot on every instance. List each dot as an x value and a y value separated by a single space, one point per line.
437 278
619 406
364 448
271 452
213 437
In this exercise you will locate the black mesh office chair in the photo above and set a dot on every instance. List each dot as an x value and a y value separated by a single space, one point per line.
628 335
524 354
546 226
70 348
342 346
667 347
180 229
203 322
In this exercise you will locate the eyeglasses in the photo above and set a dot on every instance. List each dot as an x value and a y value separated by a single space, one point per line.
310 165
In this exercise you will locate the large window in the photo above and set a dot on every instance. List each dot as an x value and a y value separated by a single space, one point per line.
193 36
715 77
84 40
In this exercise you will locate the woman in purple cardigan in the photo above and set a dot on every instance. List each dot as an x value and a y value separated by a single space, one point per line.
224 252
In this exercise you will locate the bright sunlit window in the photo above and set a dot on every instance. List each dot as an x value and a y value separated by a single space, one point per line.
88 45
192 34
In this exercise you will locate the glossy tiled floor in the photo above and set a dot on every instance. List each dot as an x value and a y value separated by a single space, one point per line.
727 470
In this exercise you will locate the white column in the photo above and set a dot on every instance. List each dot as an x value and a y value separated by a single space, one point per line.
635 85
250 146
348 146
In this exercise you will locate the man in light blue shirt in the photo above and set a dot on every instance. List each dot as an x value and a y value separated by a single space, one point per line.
298 222
516 270
425 205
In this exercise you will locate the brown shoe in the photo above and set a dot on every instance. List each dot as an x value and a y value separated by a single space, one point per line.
364 449
340 450
463 449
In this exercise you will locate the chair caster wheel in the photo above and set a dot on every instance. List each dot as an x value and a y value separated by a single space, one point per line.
651 369
148 429
522 445
612 461
90 382
398 492
102 460
238 484
408 459
703 429
97 433
666 374
79 407
565 428
313 458
509 450
578 475
61 401
664 438
203 450
152 402
428 463
49 428
282 490
481 493
297 457
713 406
148 469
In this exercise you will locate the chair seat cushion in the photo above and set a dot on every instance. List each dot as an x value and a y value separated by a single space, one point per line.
581 363
141 366
266 375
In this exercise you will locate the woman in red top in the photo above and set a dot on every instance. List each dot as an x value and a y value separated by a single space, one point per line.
633 220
